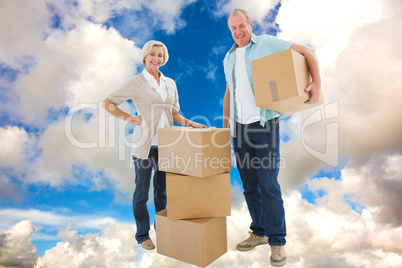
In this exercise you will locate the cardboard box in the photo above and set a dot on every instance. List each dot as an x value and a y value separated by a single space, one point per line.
190 197
199 152
197 241
279 82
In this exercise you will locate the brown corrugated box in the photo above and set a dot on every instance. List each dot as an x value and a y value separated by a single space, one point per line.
196 241
190 197
280 80
199 152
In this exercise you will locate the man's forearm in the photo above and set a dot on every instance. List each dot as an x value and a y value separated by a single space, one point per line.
226 108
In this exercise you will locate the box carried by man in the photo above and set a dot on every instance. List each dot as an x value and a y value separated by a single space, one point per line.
280 80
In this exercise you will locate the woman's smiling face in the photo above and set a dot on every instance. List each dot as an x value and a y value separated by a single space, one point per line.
154 59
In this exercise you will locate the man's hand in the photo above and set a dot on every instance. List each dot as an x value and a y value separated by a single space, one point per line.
312 63
314 89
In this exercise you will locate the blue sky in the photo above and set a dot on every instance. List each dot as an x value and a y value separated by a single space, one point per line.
337 171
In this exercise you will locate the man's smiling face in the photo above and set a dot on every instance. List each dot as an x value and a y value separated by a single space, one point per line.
241 29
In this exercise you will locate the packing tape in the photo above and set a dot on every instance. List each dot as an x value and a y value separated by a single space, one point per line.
274 90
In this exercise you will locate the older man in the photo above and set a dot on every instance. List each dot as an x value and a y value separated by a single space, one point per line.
255 132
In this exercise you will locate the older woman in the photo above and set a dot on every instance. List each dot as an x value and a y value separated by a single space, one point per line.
156 100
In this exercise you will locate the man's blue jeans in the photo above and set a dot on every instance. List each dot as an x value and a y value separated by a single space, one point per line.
143 173
257 158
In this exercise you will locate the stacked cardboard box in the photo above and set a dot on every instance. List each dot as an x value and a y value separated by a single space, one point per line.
197 162
198 152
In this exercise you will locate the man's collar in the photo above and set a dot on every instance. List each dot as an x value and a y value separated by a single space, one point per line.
233 48
235 44
253 37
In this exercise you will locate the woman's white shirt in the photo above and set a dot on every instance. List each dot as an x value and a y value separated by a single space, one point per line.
162 91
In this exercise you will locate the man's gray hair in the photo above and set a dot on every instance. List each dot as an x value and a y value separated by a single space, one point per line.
237 10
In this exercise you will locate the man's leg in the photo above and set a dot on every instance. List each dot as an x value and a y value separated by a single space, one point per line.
251 185
272 203
252 192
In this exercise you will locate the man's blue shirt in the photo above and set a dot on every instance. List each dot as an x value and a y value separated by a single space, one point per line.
259 47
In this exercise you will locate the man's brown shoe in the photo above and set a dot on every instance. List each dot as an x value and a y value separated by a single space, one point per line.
252 242
148 244
278 256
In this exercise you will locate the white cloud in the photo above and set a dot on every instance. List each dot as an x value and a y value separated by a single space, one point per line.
22 42
13 144
371 92
320 23
96 60
328 231
378 183
317 234
115 247
38 217
16 249
211 71
363 77
80 63
8 189
328 27
107 162
361 65
256 9
52 220
98 10
168 12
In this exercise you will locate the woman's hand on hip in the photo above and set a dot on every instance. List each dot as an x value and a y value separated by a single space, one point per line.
136 120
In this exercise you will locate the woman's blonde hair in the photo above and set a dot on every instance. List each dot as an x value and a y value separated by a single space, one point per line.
146 49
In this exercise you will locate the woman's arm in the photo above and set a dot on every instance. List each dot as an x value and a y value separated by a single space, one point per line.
116 111
185 122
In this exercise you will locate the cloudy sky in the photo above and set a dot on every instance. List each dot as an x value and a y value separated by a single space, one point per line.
66 181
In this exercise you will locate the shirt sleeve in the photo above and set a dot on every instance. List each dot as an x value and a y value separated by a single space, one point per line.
278 44
225 62
122 94
176 105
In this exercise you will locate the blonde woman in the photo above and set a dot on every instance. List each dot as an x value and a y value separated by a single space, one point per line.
156 100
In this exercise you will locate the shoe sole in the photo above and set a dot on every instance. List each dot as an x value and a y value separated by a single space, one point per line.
250 248
278 263
148 248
